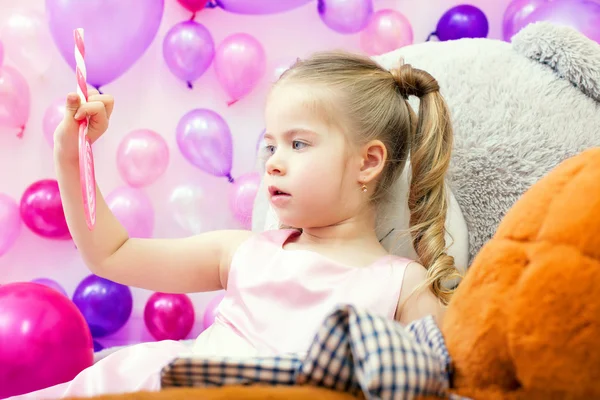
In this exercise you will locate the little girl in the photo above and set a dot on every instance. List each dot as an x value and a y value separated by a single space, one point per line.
339 130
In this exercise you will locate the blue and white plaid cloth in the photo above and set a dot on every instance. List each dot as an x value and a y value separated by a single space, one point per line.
353 351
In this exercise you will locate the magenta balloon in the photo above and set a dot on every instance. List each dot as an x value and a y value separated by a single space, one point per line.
242 198
582 15
1 53
142 157
516 12
10 223
52 117
260 7
211 310
51 284
387 30
134 210
345 16
205 141
240 62
188 50
15 99
42 210
44 339
193 5
116 32
169 316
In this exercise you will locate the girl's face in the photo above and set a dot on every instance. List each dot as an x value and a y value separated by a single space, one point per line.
311 171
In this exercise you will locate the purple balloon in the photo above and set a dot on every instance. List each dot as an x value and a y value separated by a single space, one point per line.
205 141
134 210
105 305
463 21
10 223
44 339
516 12
51 284
241 200
98 346
42 210
260 7
582 15
188 50
116 33
211 311
345 16
169 316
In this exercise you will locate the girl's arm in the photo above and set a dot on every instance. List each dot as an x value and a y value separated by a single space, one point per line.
415 305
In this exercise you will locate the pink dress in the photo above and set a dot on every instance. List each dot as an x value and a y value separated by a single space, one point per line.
276 299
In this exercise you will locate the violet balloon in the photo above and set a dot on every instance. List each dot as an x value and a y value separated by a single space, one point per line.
35 358
169 316
42 211
516 12
243 194
98 346
15 100
345 16
205 141
581 15
463 21
51 284
105 305
193 5
10 223
117 33
260 7
188 50
53 115
240 63
133 208
387 30
212 309
142 157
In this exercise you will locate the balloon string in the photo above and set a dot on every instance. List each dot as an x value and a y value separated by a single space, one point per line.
431 35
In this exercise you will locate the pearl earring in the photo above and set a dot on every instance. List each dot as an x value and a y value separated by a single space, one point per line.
364 188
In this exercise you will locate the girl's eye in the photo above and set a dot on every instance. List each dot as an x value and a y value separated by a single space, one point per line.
270 149
297 145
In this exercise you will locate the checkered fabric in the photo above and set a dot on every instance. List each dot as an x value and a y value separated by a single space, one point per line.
353 351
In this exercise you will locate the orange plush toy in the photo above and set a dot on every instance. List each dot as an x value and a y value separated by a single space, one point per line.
525 322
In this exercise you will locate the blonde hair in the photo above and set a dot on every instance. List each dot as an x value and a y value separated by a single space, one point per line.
375 104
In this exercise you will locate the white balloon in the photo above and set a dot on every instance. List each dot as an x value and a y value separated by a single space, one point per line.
187 204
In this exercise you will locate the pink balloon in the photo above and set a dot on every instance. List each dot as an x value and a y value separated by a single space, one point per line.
1 53
241 200
44 339
169 316
345 16
240 62
193 5
134 210
52 117
15 100
387 30
42 210
10 223
142 157
211 310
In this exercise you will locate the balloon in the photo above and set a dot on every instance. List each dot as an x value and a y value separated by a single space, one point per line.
51 284
27 41
582 15
1 53
42 210
260 142
258 7
44 339
345 16
211 311
106 305
117 33
281 66
463 21
52 117
515 14
134 210
169 316
193 5
98 347
188 50
15 100
186 205
205 141
241 200
142 157
240 62
387 30
10 223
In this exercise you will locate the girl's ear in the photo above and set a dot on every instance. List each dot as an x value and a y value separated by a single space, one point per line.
374 155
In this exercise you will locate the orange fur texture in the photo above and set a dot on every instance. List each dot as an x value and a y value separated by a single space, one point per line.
525 322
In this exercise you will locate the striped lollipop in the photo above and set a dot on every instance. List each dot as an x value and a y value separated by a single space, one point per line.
86 158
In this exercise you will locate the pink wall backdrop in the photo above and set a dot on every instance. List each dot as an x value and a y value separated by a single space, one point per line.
149 96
